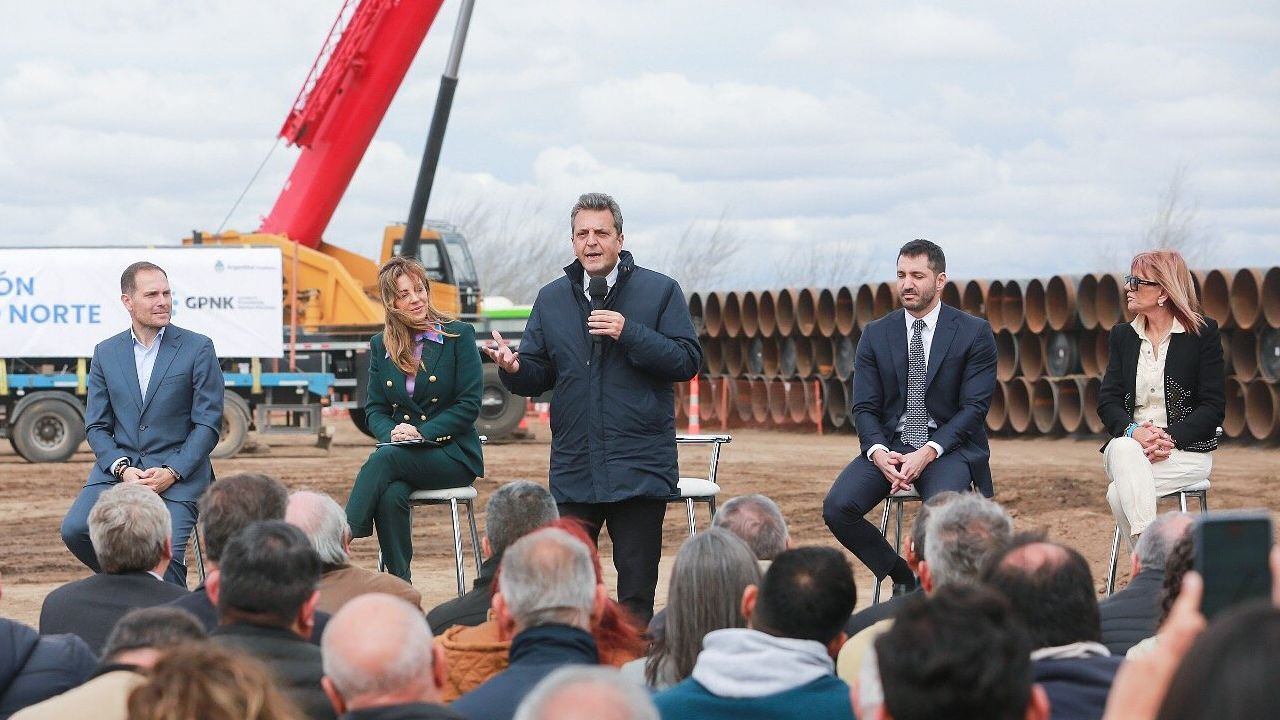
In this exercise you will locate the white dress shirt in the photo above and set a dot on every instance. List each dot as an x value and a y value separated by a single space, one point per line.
926 338
1148 389
144 359
609 280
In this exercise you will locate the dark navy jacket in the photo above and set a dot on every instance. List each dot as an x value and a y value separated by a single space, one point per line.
612 418
1077 687
34 668
958 384
1129 616
535 654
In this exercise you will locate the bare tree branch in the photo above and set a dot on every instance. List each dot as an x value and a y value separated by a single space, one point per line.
1175 225
703 257
517 248
827 265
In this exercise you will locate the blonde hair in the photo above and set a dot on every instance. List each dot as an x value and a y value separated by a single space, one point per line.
211 682
399 328
1169 269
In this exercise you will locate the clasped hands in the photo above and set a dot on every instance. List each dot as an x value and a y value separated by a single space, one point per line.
903 469
405 431
158 479
1156 444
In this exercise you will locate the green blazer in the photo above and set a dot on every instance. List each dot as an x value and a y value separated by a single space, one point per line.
445 400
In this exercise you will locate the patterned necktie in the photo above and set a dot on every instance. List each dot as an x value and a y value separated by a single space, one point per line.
915 430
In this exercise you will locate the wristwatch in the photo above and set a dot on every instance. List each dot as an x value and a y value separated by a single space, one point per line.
119 466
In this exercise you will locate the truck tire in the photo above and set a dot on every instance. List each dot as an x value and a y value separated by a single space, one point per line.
500 411
235 426
48 431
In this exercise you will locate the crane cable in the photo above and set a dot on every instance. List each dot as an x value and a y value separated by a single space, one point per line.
244 192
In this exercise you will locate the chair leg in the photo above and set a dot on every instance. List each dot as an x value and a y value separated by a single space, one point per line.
195 539
897 533
884 531
688 506
1115 554
1204 502
457 547
712 504
475 537
1182 501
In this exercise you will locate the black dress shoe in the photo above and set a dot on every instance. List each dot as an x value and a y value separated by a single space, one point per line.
906 588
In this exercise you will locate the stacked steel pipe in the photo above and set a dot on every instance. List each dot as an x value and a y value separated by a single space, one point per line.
785 358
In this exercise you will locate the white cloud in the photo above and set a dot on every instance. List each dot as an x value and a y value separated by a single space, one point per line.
1024 139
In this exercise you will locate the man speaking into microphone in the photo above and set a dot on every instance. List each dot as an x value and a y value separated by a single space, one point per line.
610 338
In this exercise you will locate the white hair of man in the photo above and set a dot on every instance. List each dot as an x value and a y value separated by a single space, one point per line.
1159 538
376 645
584 692
961 534
758 521
547 577
129 527
324 522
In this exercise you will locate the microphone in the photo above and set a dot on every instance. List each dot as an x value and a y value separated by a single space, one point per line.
597 289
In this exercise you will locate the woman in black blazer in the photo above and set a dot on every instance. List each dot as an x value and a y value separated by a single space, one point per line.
1162 397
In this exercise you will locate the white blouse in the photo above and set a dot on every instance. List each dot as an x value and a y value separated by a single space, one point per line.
1148 398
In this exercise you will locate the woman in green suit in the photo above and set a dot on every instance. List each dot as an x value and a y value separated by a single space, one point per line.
424 383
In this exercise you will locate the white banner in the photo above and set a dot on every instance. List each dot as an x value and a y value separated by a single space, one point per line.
60 302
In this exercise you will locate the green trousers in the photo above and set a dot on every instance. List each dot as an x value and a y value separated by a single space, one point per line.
380 497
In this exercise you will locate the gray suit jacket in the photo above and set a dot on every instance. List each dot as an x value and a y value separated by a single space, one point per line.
178 422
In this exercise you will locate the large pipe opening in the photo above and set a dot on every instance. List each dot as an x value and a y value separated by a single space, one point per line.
1006 356
826 312
1060 302
846 313
1035 305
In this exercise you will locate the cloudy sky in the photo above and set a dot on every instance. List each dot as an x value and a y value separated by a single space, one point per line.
1026 138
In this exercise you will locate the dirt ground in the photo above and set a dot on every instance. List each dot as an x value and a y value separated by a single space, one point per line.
1052 484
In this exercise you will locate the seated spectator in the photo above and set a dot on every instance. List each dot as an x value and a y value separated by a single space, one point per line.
780 666
35 668
957 653
1230 671
548 597
1227 671
325 524
1130 615
210 682
885 609
131 533
587 693
475 654
230 505
511 512
1050 589
711 571
758 522
380 663
265 592
1182 558
140 638
962 532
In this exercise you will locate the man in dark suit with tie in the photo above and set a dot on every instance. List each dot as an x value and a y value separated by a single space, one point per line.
923 380
154 414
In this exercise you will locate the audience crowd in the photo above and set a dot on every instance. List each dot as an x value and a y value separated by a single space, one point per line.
1006 623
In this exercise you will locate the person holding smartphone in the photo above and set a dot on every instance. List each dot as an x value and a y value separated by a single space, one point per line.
425 379
1162 397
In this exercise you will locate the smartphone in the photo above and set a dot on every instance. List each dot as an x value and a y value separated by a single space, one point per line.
1232 552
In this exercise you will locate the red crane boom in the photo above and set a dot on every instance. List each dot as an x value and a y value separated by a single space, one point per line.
345 96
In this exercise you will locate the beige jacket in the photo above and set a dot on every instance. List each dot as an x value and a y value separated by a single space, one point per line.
105 697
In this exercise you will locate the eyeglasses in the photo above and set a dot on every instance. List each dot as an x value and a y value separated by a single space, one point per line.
1133 281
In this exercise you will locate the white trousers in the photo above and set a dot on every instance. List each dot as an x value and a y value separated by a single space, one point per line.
1136 482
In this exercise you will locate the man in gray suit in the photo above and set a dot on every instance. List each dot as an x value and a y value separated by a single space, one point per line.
154 414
